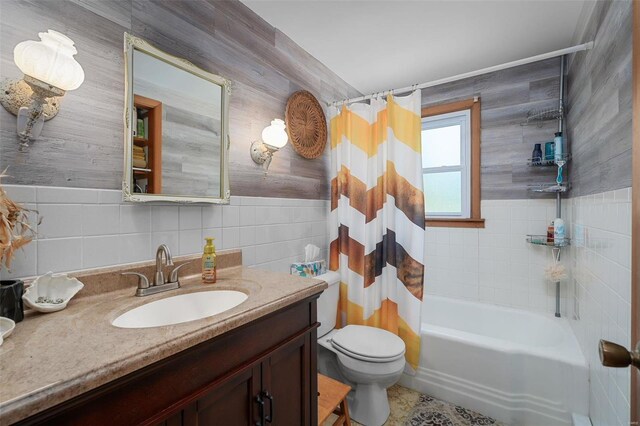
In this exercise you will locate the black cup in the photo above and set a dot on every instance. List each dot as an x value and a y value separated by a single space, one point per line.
11 299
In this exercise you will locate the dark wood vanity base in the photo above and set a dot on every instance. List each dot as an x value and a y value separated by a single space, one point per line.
262 372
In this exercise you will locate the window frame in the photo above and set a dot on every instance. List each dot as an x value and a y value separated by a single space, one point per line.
474 220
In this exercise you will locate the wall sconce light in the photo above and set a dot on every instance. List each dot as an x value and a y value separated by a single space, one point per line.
49 71
274 137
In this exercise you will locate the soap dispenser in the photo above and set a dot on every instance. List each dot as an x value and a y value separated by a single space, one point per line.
209 266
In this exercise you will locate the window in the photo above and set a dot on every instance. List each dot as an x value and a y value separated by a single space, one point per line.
451 164
446 146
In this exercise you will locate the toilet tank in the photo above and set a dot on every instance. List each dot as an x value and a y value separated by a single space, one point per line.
328 303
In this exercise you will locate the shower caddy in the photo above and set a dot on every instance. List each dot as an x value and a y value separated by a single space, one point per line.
559 186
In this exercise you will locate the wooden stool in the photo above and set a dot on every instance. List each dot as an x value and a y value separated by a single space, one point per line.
332 398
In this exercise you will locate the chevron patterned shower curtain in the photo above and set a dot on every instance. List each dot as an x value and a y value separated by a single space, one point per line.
377 216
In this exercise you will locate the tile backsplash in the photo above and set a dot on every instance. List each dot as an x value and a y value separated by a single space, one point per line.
495 264
601 263
86 228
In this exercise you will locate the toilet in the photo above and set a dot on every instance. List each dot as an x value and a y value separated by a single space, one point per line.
368 359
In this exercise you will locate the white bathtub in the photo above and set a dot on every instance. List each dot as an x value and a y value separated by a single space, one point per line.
518 367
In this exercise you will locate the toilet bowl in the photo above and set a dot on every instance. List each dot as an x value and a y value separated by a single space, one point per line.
366 358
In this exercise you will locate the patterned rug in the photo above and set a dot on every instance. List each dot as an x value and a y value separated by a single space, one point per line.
411 408
433 412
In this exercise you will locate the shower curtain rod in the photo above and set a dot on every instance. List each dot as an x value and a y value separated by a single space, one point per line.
543 56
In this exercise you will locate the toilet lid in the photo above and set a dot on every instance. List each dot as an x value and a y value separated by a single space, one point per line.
368 343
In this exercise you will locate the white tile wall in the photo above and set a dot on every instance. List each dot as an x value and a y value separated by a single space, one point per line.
83 228
601 258
496 264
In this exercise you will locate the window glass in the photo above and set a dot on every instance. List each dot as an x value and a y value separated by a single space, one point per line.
443 193
441 146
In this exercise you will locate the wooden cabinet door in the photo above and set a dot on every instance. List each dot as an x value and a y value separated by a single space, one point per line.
230 403
287 384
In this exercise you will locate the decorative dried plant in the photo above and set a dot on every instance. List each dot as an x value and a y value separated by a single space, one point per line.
15 230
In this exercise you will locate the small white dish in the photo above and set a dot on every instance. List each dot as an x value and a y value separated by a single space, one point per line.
51 292
6 327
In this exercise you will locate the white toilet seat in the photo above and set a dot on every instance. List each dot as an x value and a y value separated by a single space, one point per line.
365 358
368 344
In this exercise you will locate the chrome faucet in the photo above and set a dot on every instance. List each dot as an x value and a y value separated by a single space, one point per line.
163 252
163 257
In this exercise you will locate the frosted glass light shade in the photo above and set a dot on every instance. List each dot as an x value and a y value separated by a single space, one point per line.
50 60
275 135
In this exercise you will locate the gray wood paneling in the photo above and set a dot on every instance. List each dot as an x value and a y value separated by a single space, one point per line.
83 145
599 102
506 98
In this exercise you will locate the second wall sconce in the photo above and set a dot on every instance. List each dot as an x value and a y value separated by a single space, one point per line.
274 138
49 71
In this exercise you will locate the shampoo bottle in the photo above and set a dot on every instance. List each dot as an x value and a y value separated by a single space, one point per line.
557 146
536 156
550 234
209 262
558 231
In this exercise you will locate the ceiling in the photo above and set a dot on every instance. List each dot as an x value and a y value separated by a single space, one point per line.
381 45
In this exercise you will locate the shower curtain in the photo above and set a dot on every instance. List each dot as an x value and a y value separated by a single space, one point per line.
377 216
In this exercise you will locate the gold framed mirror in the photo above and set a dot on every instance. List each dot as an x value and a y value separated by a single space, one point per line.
176 145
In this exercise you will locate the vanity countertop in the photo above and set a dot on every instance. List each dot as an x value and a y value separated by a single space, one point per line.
51 358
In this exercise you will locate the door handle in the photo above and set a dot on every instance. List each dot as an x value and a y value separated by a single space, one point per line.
617 356
269 418
260 403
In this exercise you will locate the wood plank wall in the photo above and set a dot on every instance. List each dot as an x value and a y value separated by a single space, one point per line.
83 145
506 98
599 102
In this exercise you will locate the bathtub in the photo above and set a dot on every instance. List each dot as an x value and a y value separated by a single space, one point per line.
519 367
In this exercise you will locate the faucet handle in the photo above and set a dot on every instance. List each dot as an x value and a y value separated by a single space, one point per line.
143 281
174 274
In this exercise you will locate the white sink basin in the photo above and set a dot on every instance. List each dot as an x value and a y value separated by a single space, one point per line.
179 309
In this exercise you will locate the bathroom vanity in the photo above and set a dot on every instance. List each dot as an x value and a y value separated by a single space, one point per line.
253 364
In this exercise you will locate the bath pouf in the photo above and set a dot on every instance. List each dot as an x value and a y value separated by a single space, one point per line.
555 273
